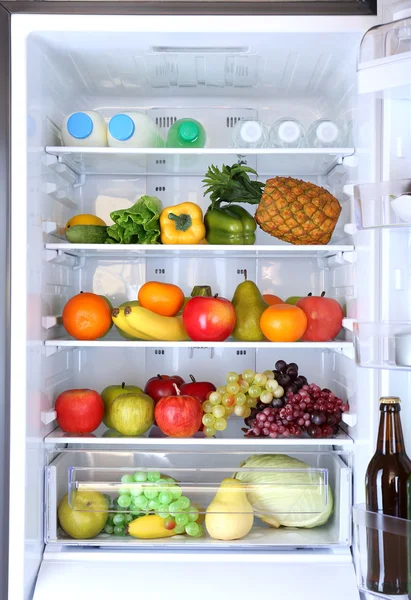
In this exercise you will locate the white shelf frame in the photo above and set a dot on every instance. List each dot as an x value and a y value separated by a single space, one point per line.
132 251
59 437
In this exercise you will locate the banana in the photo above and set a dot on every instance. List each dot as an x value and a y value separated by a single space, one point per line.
166 329
124 325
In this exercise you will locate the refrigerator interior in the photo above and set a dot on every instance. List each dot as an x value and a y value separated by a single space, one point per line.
219 77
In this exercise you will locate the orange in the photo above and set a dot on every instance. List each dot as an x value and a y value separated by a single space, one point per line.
87 316
283 323
84 220
271 299
162 298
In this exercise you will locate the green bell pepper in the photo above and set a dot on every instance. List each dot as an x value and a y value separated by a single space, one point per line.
230 224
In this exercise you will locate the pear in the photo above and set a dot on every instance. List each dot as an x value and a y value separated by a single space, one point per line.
86 517
249 305
230 515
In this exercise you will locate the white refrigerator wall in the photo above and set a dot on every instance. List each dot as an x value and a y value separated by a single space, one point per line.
56 72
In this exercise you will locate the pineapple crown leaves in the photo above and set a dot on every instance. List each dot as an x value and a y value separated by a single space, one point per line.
232 184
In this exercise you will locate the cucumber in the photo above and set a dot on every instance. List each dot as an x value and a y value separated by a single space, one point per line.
86 234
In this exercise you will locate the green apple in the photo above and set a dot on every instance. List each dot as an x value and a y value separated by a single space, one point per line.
109 305
293 300
109 394
86 517
132 413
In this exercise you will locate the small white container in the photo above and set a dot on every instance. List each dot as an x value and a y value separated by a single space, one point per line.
402 207
249 133
133 130
287 133
86 128
325 134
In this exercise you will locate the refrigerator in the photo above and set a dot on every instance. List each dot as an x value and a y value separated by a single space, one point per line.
218 63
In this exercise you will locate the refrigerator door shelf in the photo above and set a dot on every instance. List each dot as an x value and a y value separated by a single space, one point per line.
385 57
383 345
394 534
108 574
385 204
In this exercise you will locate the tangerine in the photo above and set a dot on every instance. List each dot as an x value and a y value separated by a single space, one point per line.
162 298
283 323
87 316
271 299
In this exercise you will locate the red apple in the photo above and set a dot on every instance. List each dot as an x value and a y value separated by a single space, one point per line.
209 319
178 416
324 318
199 389
79 411
162 385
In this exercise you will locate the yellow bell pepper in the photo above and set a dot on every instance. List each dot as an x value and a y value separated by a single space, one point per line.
182 224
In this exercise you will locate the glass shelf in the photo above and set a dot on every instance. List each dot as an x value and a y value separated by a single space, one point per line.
113 340
385 204
129 252
232 436
195 161
381 553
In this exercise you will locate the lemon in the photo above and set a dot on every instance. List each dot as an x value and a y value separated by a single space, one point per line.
85 220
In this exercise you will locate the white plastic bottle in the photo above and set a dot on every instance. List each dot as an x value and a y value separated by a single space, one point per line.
287 133
133 130
325 134
86 128
249 133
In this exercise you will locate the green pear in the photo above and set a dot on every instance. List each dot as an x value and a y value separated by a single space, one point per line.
249 305
230 515
86 516
109 394
293 300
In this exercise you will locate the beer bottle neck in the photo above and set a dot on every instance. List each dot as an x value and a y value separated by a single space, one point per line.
390 436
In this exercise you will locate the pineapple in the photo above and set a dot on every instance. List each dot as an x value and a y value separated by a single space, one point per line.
297 211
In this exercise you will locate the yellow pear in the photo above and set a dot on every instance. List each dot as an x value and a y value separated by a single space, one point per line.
230 516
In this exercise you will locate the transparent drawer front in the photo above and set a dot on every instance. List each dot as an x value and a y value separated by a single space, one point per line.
305 505
382 553
386 204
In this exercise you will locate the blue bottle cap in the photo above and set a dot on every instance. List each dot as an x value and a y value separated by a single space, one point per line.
189 131
80 125
121 127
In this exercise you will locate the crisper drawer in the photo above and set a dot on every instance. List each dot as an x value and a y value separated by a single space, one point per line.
276 501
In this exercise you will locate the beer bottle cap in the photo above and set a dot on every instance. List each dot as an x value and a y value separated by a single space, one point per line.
390 400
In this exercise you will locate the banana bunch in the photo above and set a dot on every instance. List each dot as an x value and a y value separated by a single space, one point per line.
136 322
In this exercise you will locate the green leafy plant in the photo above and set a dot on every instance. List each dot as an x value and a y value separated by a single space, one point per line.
232 184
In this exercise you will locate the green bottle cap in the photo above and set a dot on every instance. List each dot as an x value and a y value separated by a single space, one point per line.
189 131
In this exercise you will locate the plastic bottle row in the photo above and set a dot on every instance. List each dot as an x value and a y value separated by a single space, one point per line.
288 133
137 130
129 130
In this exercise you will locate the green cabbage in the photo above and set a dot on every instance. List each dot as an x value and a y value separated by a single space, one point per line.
291 498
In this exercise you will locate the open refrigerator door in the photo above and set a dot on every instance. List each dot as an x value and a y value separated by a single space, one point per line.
165 67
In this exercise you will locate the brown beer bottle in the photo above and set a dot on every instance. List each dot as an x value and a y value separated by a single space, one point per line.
386 493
